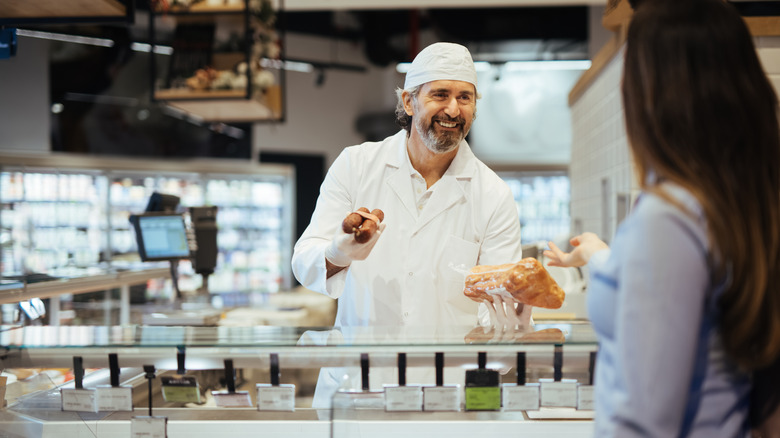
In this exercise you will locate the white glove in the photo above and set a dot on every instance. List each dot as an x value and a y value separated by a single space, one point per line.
343 249
508 314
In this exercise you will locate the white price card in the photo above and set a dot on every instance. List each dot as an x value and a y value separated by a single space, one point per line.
149 427
441 398
275 398
559 394
114 398
585 399
403 398
80 400
237 399
520 397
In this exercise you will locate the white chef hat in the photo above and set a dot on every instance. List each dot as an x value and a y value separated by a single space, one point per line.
441 62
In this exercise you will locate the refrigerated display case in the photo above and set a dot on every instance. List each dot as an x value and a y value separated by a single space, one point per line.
51 219
64 212
558 352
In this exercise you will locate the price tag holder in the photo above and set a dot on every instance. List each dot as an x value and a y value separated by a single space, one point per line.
585 397
231 398
275 397
180 389
441 398
79 400
110 398
520 397
238 399
558 394
148 427
403 398
483 390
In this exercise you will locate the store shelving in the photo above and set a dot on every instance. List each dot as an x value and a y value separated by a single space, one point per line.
208 76
75 214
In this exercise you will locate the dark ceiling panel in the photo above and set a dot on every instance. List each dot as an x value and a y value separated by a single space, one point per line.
378 28
498 24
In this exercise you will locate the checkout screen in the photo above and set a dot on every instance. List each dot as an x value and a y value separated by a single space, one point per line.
164 236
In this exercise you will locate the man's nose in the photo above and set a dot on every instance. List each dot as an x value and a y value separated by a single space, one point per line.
452 109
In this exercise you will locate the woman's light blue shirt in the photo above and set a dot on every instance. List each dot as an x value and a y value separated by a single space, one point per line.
661 369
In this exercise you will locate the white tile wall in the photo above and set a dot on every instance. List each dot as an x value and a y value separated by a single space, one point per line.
600 168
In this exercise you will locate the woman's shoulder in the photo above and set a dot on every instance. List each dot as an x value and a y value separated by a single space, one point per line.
668 212
669 199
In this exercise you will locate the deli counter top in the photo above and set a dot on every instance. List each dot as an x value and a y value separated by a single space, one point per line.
301 347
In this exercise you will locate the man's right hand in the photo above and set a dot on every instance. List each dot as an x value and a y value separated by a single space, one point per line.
344 249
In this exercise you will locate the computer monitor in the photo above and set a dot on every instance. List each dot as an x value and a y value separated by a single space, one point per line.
162 202
161 236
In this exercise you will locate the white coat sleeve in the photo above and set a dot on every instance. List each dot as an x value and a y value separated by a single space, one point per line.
501 242
333 204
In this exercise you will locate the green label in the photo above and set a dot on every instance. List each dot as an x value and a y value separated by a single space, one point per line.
483 398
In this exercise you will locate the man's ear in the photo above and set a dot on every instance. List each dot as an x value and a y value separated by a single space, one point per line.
407 99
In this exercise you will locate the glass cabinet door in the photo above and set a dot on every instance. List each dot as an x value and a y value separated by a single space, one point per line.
51 220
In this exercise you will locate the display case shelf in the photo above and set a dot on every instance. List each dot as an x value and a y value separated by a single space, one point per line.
299 347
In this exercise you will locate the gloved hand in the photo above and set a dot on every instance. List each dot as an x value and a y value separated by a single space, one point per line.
343 249
508 314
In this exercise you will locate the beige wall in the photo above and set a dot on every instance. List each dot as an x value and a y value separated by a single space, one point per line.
602 184
24 87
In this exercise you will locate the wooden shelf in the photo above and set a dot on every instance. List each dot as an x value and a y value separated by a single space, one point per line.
26 9
188 94
207 8
226 111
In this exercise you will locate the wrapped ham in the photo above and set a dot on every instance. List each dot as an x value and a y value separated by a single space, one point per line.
525 281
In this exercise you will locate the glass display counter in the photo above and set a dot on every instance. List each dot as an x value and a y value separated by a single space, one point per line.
73 281
553 352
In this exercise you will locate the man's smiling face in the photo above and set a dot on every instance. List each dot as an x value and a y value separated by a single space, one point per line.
443 112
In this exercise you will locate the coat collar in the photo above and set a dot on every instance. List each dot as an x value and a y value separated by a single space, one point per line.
447 191
462 166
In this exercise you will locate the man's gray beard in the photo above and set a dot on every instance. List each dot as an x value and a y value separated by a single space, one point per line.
438 145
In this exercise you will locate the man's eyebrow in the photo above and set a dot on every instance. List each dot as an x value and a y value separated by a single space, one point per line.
449 90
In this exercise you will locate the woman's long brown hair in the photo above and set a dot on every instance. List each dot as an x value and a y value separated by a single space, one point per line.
700 112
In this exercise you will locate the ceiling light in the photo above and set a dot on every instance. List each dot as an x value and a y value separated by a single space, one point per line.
547 65
102 42
303 67
160 50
